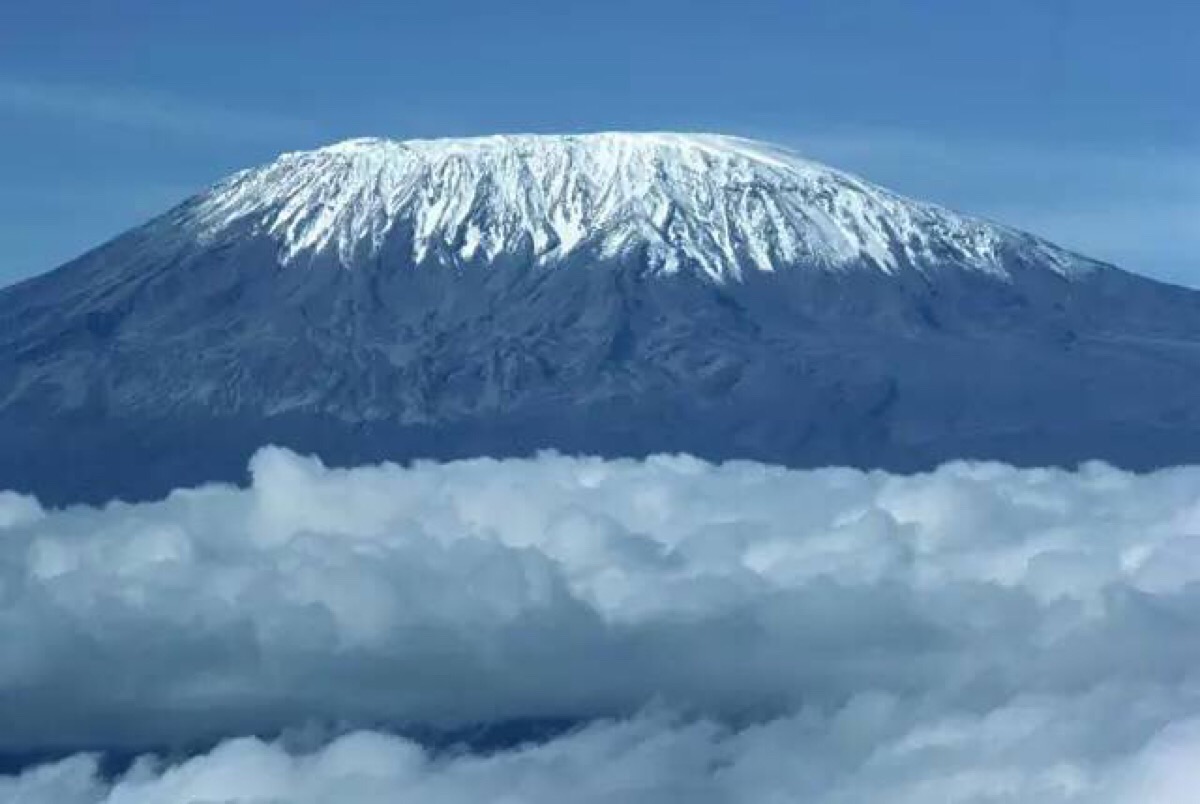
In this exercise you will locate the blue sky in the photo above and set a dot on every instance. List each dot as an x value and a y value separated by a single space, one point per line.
1075 119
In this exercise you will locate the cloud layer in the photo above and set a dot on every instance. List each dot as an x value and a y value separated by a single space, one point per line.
735 632
870 751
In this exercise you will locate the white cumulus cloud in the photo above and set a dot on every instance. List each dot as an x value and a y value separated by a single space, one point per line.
736 632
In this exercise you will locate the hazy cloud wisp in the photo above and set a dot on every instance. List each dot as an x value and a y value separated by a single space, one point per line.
143 109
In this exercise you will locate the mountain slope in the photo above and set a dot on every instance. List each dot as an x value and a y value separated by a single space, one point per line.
617 293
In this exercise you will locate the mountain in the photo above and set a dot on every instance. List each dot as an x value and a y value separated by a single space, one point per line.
617 294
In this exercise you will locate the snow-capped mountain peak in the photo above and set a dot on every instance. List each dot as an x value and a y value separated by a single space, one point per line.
721 206
394 300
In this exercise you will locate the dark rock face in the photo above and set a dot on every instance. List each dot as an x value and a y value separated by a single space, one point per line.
135 370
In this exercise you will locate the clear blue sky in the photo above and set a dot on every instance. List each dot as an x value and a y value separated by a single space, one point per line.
1076 119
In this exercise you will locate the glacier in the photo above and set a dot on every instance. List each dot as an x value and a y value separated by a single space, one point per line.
719 205
615 293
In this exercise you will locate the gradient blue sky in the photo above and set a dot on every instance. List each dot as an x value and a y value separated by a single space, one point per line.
1075 119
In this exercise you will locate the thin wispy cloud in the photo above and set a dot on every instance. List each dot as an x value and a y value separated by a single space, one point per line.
145 110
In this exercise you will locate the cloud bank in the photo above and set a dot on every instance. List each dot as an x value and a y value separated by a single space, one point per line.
734 632
999 757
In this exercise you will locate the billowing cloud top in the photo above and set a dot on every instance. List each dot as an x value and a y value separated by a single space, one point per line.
736 632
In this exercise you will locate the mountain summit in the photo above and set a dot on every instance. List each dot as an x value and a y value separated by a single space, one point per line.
617 294
716 205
